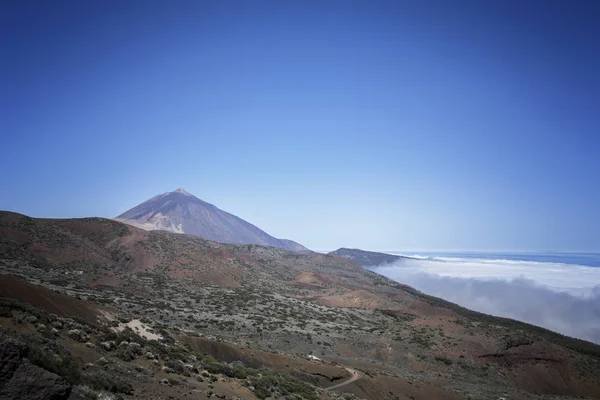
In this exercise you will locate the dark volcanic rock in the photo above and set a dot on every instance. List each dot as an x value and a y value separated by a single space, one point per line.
181 212
11 356
78 396
367 258
34 383
20 379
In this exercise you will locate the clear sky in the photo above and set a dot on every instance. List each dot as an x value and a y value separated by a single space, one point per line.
410 125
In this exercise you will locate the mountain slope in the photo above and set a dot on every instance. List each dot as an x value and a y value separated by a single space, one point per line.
181 212
366 258
271 307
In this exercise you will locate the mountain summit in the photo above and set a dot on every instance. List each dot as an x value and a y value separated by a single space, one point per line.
182 212
182 191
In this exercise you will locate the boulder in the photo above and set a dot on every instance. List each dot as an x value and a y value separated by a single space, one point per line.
34 383
12 353
102 361
20 379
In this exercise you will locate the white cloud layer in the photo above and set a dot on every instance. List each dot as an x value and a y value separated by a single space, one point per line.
560 297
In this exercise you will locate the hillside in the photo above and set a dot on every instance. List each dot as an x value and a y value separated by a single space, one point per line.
367 258
181 212
248 321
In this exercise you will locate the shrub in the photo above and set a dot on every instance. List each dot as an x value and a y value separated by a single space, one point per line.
241 371
283 384
175 366
126 353
55 359
208 359
219 368
102 381
445 360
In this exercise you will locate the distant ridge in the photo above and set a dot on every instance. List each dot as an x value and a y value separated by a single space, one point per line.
181 212
367 258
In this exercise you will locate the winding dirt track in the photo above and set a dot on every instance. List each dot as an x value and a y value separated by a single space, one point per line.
355 376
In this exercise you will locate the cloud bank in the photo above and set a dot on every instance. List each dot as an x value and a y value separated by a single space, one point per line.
563 298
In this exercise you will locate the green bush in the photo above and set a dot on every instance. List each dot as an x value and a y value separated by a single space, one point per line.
12 304
283 384
126 354
101 381
219 368
208 359
242 372
175 366
445 360
53 358
5 312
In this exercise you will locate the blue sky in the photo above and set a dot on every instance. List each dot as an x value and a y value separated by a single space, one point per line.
411 125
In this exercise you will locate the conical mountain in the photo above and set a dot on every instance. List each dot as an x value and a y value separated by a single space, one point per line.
182 212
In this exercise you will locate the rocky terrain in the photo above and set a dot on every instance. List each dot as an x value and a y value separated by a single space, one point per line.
181 212
367 258
102 309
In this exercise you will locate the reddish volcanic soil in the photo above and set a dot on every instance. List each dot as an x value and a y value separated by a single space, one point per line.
47 300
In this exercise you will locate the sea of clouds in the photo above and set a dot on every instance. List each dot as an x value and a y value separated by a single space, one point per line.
561 297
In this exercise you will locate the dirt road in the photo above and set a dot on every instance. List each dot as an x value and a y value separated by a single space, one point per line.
355 376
